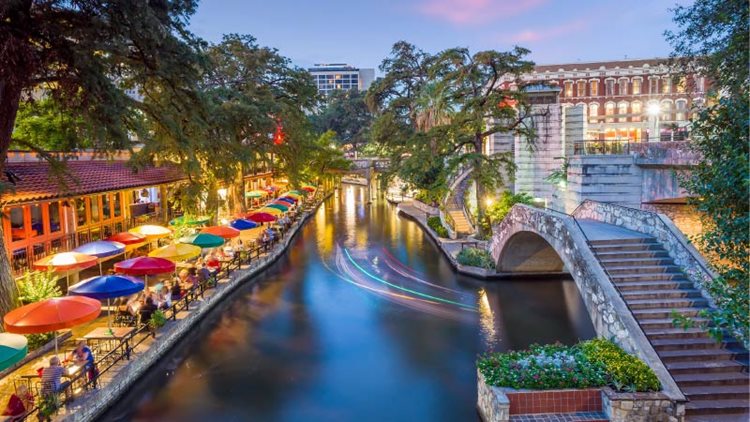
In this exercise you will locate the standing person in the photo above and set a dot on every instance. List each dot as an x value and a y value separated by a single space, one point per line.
83 357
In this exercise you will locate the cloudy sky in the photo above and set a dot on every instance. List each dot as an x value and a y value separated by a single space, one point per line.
361 32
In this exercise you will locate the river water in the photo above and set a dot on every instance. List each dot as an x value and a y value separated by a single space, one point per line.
362 319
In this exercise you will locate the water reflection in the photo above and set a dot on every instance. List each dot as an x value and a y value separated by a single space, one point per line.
363 319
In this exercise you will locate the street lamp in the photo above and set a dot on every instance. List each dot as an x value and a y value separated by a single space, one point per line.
654 110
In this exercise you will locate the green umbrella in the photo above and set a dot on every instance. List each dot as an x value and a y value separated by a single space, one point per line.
278 207
13 348
254 194
191 221
300 192
204 240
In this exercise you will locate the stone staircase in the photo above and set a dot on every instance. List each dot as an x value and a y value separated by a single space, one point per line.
454 207
712 375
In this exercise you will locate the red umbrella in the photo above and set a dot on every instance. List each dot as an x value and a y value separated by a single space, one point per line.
127 238
308 188
145 265
52 315
222 231
261 217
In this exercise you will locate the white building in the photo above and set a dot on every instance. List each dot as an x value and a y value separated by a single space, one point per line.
341 77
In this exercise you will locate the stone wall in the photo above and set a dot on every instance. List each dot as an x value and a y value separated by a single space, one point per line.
686 217
535 164
640 407
659 226
609 313
492 404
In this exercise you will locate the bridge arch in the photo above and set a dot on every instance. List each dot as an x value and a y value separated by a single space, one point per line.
528 252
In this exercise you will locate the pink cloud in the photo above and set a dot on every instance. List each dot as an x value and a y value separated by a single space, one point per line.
533 35
468 12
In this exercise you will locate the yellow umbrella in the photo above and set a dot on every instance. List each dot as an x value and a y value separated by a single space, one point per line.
293 195
272 211
151 231
177 252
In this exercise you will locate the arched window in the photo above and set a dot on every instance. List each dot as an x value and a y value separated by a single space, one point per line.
681 109
666 110
581 85
609 110
593 112
594 88
636 108
622 86
653 82
637 85
568 89
622 111
609 87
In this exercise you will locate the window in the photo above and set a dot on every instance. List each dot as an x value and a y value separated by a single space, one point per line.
637 86
681 110
666 85
581 88
594 88
622 111
636 108
681 85
117 202
609 87
37 220
568 89
54 217
623 86
94 207
106 209
666 111
609 110
17 226
81 211
653 85
593 112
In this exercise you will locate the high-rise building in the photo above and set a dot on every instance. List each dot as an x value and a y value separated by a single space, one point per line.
341 77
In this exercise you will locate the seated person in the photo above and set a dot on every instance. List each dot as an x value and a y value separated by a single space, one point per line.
18 404
203 273
176 292
213 264
164 298
83 357
51 378
192 278
147 310
134 304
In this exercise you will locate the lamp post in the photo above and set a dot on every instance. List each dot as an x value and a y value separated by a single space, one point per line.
654 110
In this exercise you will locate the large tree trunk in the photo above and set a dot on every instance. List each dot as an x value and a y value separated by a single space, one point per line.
236 194
8 288
482 227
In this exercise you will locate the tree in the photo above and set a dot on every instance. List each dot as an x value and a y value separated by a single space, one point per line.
713 40
45 124
86 55
346 114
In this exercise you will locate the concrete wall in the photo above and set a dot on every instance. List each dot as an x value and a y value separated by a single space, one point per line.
660 184
604 178
535 163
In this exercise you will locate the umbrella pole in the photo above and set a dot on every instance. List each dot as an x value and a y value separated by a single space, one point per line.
100 267
109 315
56 351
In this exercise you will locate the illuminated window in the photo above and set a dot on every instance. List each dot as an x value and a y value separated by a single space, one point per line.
636 86
653 85
81 211
622 111
54 217
636 108
623 86
681 85
680 110
568 89
94 207
609 87
666 85
581 88
117 204
666 111
17 226
106 208
593 112
37 221
609 110
594 87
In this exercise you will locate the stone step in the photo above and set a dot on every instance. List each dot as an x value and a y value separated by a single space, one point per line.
619 278
706 366
639 262
651 324
628 247
641 314
685 333
705 343
667 303
632 255
713 407
624 241
715 392
656 285
660 294
684 355
636 270
711 378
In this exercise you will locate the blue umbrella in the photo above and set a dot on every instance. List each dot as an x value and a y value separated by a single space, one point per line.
107 287
285 199
242 224
101 249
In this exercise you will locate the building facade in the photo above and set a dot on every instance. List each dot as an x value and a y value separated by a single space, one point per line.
341 77
635 100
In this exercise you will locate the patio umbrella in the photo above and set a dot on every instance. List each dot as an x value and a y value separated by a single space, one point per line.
127 238
66 261
176 252
286 199
190 221
52 314
308 188
255 194
273 211
107 287
283 203
242 224
300 192
13 348
222 231
271 188
203 240
151 231
101 249
261 217
145 266
293 195
279 207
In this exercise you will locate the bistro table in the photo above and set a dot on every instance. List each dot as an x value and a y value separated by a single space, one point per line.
108 337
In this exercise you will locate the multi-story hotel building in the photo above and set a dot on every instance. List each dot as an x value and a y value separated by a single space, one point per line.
341 77
637 100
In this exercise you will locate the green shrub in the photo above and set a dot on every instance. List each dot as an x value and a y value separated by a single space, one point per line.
501 208
475 257
435 224
593 363
158 319
38 285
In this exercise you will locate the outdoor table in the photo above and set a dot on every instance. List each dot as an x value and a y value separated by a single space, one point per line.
107 336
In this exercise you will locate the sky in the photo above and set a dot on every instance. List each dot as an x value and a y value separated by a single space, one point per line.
362 32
